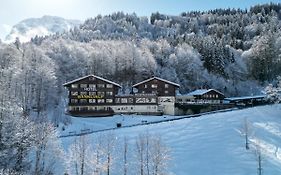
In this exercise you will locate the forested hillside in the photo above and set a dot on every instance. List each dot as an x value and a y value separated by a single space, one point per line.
235 51
228 49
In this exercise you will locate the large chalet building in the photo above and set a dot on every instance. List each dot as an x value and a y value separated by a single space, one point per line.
95 96
91 95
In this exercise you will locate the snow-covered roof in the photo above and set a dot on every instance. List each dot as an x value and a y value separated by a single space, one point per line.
202 91
100 78
245 97
157 78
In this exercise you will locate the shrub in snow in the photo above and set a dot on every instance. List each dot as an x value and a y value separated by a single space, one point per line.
273 93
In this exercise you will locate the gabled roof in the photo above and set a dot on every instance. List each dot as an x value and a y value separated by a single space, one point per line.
97 77
157 78
202 91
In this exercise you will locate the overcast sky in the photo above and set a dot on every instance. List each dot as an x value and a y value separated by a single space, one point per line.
14 11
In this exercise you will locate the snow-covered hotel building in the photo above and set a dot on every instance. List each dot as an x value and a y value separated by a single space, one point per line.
95 96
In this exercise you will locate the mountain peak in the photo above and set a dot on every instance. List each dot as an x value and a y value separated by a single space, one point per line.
46 25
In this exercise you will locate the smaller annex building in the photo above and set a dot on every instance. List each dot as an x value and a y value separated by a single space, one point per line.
92 95
202 96
164 90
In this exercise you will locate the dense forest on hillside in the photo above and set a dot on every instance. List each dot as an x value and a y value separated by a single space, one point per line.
226 49
235 51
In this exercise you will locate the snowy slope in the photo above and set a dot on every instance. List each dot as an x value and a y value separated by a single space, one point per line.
212 144
43 26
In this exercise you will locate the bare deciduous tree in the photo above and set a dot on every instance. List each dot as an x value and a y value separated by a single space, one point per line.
246 131
125 156
77 155
140 149
153 155
109 148
258 153
160 156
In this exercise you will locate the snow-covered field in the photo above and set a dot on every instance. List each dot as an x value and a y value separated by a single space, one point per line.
82 125
211 144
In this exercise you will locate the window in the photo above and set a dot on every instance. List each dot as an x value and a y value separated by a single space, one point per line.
130 100
100 85
101 94
92 100
124 108
166 92
145 86
166 85
83 101
140 100
109 93
109 101
83 93
74 86
217 96
73 108
154 86
74 101
147 100
109 86
92 78
82 108
117 100
92 93
92 86
91 108
153 100
100 100
74 93
83 85
124 100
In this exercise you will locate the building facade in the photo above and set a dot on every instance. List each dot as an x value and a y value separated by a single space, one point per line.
202 96
164 90
95 96
91 95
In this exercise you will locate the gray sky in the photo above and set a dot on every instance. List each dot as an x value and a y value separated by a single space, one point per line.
14 11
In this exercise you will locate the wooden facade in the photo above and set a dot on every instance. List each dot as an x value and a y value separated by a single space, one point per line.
95 96
164 90
91 95
210 96
157 86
